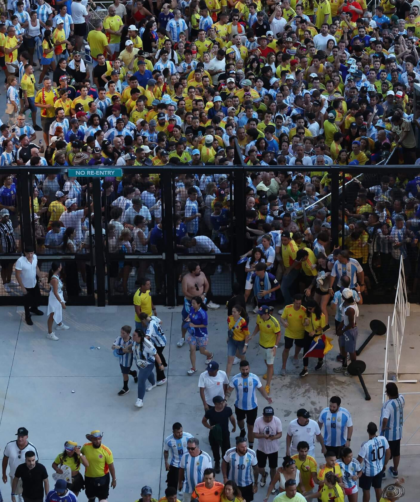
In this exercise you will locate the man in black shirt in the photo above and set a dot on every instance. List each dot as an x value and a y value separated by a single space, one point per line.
34 479
219 436
100 69
24 152
260 26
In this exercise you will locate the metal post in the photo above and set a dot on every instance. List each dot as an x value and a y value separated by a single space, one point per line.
169 239
335 206
99 243
239 210
343 211
25 209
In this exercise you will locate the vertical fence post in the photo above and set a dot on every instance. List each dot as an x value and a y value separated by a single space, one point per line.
335 206
25 209
169 239
99 243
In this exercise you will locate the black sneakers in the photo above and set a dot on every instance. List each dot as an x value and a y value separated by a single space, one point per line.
122 392
304 372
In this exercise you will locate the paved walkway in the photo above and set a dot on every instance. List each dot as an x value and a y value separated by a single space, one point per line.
62 390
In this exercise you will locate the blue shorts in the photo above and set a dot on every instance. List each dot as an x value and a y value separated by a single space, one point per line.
235 346
198 341
184 313
31 103
46 61
348 340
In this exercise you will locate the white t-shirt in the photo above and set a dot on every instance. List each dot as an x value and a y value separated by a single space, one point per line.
300 433
215 65
319 40
78 11
273 428
277 25
16 456
74 219
213 385
28 270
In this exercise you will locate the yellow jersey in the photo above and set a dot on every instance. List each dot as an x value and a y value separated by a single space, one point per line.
28 84
99 460
288 253
113 23
9 43
69 461
144 300
64 104
241 331
59 36
84 101
97 41
47 98
306 468
294 320
268 331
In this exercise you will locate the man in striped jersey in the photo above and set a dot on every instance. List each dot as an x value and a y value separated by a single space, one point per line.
192 467
349 267
123 344
338 426
374 454
392 420
243 468
246 406
176 443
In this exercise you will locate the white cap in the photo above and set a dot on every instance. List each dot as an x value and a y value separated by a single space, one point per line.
208 139
230 80
347 293
132 27
129 42
390 93
60 21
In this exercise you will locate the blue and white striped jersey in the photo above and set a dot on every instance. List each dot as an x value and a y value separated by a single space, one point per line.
44 12
28 130
351 269
246 389
113 133
7 159
160 66
145 357
125 359
194 470
12 95
393 410
177 448
112 120
67 19
349 470
205 23
191 209
241 466
103 104
155 332
335 426
373 454
175 27
269 255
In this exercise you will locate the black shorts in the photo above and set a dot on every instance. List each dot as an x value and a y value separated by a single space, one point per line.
394 446
250 415
77 484
46 123
97 487
2 62
288 342
125 370
80 30
335 449
272 459
366 482
247 493
172 479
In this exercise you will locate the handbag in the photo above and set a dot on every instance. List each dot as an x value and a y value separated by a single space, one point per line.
10 109
230 331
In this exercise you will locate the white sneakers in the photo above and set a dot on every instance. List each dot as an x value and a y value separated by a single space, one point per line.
213 306
150 388
236 360
139 403
51 336
181 342
62 327
162 382
280 312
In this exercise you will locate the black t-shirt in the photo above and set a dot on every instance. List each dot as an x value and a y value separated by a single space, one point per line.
220 417
25 152
32 481
98 71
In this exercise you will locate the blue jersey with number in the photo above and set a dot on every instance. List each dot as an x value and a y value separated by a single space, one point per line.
246 389
373 454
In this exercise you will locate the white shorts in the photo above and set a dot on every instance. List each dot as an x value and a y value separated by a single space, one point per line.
114 48
248 284
11 68
268 355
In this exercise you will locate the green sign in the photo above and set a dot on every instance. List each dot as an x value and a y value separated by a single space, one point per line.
95 173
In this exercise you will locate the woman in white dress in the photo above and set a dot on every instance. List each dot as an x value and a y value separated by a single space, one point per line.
56 302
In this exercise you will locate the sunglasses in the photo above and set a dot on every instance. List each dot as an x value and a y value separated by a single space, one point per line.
191 448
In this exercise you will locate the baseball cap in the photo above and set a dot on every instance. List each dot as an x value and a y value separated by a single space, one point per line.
303 413
80 114
230 80
59 194
212 366
196 152
331 115
161 115
231 109
128 42
380 123
145 149
217 98
96 150
133 27
218 399
268 411
146 490
288 39
152 81
347 293
60 21
152 123
263 310
129 156
390 93
290 77
294 61
22 431
141 62
63 77
60 485
70 202
246 82
353 124
314 75
399 94
4 212
270 34
164 152
114 72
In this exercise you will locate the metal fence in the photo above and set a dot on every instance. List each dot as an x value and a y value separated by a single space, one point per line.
96 274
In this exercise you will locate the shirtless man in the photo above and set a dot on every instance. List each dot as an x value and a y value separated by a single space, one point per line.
194 283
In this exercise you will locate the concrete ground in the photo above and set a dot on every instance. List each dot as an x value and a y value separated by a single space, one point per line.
62 390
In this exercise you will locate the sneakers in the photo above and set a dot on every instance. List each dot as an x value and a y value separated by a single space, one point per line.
191 371
267 390
209 359
213 306
283 372
304 372
280 311
35 311
263 480
139 403
51 336
243 433
236 360
151 387
62 327
123 391
319 365
162 382
29 321
181 342
393 472
37 128
256 310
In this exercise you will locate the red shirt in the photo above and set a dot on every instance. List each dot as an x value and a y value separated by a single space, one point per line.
265 52
354 15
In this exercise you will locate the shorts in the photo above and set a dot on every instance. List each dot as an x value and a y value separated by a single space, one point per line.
268 355
31 104
12 68
250 415
30 42
77 483
394 446
2 62
288 342
247 493
350 491
97 487
248 284
184 313
235 346
335 449
125 370
366 482
80 30
46 123
348 340
114 48
272 459
198 341
46 61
